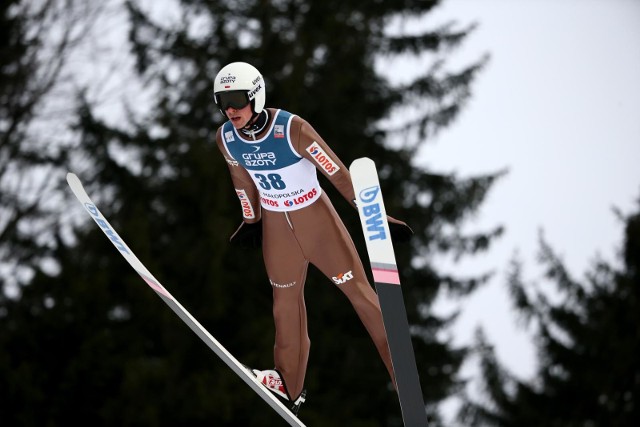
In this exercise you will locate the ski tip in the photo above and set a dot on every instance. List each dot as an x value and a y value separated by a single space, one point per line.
362 161
72 179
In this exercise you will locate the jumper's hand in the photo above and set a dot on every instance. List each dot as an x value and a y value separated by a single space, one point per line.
247 235
400 231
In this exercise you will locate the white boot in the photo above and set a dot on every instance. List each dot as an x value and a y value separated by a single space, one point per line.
272 380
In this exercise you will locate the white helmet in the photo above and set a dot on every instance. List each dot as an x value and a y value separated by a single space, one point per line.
236 85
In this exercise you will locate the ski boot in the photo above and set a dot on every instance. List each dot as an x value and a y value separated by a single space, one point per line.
272 380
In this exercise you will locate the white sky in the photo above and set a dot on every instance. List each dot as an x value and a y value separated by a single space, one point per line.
559 105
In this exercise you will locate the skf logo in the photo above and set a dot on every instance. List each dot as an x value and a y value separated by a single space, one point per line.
343 277
228 136
247 209
371 211
322 158
278 131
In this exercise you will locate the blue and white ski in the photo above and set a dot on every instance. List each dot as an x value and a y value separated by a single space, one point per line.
245 374
375 227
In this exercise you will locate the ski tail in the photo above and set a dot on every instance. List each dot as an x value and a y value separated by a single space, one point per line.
153 283
373 218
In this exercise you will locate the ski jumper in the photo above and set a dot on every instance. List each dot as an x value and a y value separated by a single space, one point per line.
275 178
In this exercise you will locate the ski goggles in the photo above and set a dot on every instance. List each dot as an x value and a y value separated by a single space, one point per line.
236 99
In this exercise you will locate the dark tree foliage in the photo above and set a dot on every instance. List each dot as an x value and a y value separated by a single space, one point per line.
587 343
24 81
93 342
36 40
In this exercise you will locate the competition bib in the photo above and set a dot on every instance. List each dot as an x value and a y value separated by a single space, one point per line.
285 180
287 189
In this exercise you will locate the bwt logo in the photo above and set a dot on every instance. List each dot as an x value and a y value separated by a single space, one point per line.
371 211
106 228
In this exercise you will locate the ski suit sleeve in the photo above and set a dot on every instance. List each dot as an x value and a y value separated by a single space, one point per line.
309 144
243 184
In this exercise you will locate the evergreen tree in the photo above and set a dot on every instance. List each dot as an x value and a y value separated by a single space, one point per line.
587 345
36 40
117 355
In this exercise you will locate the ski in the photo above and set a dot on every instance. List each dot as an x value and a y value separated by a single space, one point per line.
244 373
375 227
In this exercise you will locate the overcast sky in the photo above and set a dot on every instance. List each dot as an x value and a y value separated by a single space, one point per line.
559 105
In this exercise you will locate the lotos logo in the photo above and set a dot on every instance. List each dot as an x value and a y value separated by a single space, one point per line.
321 158
372 213
247 209
95 213
343 277
302 199
269 202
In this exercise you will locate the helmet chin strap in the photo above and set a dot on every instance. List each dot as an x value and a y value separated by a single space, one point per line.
257 123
